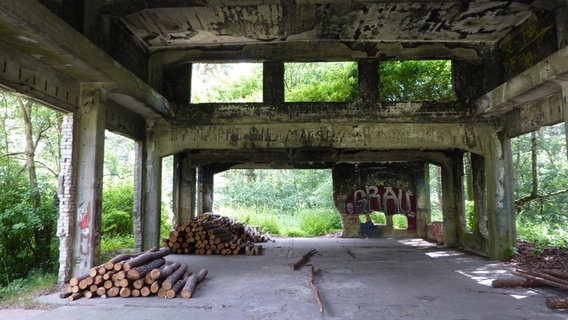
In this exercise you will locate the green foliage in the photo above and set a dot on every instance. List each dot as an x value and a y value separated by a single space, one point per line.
16 294
470 214
318 222
112 245
117 216
542 221
320 81
286 191
416 80
226 82
21 225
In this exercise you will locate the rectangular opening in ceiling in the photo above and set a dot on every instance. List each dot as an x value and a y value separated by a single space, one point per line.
320 81
226 82
416 80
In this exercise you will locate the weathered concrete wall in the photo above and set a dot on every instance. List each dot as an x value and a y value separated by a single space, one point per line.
389 188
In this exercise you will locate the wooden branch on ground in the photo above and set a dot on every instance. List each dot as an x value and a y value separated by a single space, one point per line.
314 288
539 278
557 303
516 283
303 259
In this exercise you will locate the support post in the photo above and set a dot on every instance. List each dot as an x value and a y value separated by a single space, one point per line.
177 85
423 211
368 80
452 186
205 189
564 103
479 194
273 82
152 175
500 201
139 187
183 190
88 148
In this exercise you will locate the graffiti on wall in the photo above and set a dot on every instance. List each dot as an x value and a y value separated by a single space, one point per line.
390 200
85 230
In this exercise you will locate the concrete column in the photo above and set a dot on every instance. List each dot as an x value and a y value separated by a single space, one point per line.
273 82
500 200
564 103
423 212
452 188
177 84
88 148
139 187
205 189
368 80
183 190
479 194
152 177
66 194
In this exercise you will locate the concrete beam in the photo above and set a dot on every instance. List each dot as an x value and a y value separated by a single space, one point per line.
36 32
381 136
273 82
538 81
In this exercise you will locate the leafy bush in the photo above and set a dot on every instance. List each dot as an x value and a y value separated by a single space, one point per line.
27 236
111 245
319 222
117 216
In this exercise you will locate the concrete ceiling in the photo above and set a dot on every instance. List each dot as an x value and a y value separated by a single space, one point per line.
416 21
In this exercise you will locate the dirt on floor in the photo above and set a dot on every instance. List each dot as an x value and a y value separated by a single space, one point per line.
532 256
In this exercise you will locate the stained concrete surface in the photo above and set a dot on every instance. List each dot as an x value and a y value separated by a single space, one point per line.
357 279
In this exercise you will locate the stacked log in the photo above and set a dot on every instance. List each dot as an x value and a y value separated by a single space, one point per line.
212 234
145 274
539 278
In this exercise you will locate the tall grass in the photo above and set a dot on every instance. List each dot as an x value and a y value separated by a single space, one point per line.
20 293
304 223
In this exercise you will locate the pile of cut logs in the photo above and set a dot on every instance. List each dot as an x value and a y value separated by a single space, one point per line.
143 274
539 278
214 234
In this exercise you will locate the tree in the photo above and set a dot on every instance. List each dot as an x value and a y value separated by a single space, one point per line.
28 210
418 80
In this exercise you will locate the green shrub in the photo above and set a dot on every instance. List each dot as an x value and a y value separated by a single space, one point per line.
112 245
319 222
117 216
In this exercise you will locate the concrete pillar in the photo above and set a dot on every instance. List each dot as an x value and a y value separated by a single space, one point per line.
452 188
500 200
66 194
183 190
88 148
273 82
177 84
205 189
564 103
368 80
479 194
152 177
423 212
139 187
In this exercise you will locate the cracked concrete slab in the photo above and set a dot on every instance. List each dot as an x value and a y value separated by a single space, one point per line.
357 278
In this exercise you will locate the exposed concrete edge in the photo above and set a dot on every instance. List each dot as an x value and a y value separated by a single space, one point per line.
41 34
539 81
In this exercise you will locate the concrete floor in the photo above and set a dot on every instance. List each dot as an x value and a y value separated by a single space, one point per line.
357 279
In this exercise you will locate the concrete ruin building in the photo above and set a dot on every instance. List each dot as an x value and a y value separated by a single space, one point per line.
126 66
